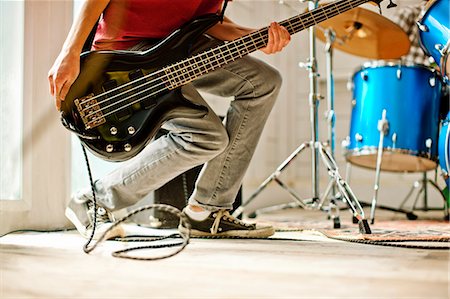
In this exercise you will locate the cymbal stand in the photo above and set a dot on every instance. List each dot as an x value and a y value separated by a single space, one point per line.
317 148
330 36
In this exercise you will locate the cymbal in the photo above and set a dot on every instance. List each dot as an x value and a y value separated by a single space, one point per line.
365 33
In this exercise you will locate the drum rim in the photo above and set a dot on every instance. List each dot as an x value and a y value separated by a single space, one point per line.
445 159
444 57
371 149
425 10
372 64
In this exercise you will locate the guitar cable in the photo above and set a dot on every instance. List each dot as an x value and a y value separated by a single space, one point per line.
183 233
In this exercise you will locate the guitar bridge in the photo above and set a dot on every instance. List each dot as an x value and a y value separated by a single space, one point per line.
90 111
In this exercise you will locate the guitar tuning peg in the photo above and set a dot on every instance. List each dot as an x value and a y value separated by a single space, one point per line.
391 4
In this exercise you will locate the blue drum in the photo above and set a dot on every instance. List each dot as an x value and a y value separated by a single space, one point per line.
434 33
410 96
444 149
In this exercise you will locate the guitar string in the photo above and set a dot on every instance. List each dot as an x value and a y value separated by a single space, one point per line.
182 70
262 38
324 8
188 79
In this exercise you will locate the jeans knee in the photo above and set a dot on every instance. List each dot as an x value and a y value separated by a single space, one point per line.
273 80
210 143
219 141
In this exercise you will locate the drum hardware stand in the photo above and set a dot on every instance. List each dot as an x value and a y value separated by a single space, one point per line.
421 186
316 149
383 128
330 116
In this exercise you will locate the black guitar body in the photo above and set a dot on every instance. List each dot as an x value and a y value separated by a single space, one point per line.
130 114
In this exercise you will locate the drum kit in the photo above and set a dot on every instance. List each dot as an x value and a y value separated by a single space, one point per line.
397 120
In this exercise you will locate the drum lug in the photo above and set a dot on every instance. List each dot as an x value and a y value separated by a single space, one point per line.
364 76
428 144
422 27
399 74
441 48
432 81
346 142
358 137
353 103
394 140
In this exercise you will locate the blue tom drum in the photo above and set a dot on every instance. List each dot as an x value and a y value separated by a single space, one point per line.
444 149
434 33
410 95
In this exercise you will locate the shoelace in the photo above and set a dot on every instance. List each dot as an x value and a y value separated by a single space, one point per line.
102 215
226 215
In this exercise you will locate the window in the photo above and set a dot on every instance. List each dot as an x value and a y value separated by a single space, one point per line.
11 98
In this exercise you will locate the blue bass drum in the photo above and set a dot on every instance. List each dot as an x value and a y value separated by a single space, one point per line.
444 149
410 95
434 33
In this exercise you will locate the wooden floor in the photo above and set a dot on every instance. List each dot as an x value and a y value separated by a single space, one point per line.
53 265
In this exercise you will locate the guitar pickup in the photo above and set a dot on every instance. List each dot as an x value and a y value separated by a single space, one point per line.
116 102
139 89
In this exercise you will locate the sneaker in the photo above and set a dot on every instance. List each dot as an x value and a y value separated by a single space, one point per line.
221 224
81 213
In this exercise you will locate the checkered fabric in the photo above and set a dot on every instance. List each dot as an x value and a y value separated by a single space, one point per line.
406 18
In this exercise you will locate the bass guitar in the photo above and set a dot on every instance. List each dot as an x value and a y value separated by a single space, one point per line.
121 98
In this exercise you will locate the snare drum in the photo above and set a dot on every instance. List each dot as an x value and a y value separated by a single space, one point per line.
410 95
434 33
444 149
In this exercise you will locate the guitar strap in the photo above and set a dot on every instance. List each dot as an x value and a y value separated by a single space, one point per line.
222 13
88 43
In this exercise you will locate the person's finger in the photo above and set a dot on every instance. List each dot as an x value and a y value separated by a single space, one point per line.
270 44
50 85
286 35
58 104
64 90
276 37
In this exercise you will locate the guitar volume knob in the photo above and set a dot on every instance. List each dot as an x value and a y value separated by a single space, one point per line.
127 147
109 148
113 130
131 130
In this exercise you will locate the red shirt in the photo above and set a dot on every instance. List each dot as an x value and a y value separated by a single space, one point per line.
125 23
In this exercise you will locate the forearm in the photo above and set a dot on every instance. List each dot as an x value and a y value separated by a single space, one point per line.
228 30
82 26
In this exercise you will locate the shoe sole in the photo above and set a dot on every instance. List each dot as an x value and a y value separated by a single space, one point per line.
250 234
118 231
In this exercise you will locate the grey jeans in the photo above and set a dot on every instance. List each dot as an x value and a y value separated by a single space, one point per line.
225 148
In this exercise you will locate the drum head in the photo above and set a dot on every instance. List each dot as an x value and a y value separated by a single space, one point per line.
391 161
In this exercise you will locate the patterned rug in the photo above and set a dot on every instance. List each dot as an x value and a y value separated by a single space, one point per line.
426 234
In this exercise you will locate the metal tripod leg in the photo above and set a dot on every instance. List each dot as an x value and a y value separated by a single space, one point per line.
345 190
422 187
339 182
274 177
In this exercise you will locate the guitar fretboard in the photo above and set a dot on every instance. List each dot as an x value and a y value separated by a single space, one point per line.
191 68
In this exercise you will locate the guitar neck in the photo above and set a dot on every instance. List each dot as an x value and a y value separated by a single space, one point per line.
191 68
